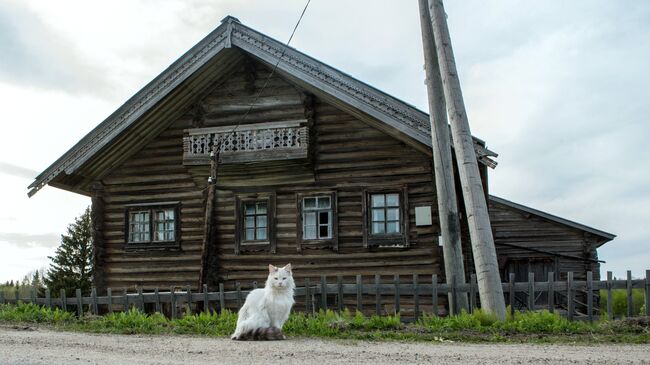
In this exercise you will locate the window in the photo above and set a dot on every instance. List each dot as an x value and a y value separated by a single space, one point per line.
316 223
254 219
152 225
385 218
317 218
385 213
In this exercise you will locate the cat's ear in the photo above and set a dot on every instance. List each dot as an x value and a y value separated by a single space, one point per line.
287 268
272 269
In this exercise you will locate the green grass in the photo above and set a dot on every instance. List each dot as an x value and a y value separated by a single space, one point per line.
475 327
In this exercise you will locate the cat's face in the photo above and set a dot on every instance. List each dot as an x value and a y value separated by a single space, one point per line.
280 277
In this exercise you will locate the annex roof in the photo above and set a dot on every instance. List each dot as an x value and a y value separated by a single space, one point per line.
606 237
325 81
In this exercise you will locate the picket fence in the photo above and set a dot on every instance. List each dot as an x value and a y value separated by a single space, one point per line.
561 296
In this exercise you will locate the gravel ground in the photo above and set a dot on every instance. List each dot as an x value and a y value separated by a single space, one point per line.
44 346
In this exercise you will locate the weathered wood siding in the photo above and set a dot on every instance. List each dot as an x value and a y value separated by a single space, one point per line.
154 174
347 156
516 227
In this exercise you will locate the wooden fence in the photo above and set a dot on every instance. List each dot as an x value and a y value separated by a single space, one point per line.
313 295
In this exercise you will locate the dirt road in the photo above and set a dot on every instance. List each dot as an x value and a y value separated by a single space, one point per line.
43 346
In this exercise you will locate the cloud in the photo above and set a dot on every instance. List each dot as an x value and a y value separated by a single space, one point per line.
18 171
34 55
28 240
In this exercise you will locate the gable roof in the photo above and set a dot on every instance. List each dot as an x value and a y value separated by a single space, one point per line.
330 83
605 237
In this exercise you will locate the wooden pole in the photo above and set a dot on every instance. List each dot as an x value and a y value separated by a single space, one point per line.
442 162
208 226
485 257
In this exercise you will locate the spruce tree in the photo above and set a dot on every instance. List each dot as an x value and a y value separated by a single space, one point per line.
71 266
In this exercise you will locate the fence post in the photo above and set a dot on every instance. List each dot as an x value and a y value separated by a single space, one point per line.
377 294
323 292
359 294
93 294
416 297
569 295
109 294
472 293
172 301
397 295
140 299
307 296
17 296
80 308
511 292
222 299
239 297
2 297
64 301
32 295
434 294
126 300
206 300
48 298
590 296
531 291
453 309
610 305
254 284
551 292
156 295
628 286
647 293
339 290
189 299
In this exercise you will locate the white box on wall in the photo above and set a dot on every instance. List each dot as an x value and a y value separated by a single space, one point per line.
423 216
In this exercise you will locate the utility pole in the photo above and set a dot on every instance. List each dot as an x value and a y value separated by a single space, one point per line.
443 166
485 258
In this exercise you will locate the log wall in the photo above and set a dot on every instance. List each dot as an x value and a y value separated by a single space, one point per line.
347 155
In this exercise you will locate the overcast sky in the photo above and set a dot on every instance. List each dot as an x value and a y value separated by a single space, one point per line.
559 89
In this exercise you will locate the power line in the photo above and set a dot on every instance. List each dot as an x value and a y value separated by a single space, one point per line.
252 104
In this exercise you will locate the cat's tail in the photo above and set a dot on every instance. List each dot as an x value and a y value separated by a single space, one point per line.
261 334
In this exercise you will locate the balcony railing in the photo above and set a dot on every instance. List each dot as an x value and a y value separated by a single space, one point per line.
247 143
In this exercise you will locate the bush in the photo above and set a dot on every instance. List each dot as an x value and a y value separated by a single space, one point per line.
619 302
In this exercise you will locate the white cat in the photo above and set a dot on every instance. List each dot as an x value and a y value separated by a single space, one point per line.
265 310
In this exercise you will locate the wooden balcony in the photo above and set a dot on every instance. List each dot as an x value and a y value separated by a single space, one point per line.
247 143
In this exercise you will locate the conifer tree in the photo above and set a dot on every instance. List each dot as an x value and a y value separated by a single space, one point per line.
71 266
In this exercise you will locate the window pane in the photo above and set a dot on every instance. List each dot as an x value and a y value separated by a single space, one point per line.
250 222
392 227
324 217
261 221
392 200
323 231
250 234
249 208
261 208
310 232
377 228
310 203
392 214
261 233
377 200
169 236
310 219
378 215
324 202
169 214
145 235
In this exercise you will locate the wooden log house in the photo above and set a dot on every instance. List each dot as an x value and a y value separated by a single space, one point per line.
320 170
